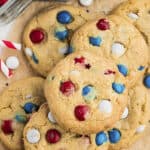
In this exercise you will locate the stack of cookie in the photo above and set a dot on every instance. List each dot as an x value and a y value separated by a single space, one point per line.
96 95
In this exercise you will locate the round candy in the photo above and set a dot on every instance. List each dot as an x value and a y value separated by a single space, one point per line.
125 113
63 50
7 127
95 41
53 136
37 36
30 108
123 69
51 118
28 52
103 24
67 88
133 16
101 138
86 2
33 136
12 62
61 33
140 129
81 112
140 68
105 106
21 118
118 88
147 81
2 2
114 136
64 17
117 49
89 93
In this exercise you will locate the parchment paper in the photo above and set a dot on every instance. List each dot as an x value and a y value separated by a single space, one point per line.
24 70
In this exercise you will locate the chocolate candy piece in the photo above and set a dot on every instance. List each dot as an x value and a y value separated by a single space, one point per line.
114 136
101 138
81 112
53 136
64 17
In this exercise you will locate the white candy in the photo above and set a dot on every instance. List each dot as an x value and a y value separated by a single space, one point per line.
28 51
125 113
33 136
75 72
140 129
28 96
105 106
133 16
12 62
118 49
51 118
86 2
63 50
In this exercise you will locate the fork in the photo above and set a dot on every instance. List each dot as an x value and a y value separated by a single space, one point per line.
12 9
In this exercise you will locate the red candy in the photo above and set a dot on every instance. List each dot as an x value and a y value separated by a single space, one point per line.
108 72
81 112
80 60
103 24
53 136
2 2
67 88
7 127
36 36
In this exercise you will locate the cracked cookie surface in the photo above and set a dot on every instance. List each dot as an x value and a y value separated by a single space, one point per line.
43 125
88 91
138 13
135 117
46 37
18 102
115 38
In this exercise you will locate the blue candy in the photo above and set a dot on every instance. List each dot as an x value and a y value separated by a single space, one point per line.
141 68
21 118
30 108
114 136
123 69
118 88
89 93
101 138
35 58
69 50
147 81
61 35
64 17
95 41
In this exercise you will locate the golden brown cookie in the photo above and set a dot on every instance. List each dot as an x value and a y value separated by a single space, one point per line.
47 35
86 93
138 13
134 119
115 38
43 133
17 103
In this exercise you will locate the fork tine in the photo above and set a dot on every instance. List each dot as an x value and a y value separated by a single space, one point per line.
12 13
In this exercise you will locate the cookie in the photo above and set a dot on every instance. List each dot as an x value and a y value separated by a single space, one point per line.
86 93
42 131
114 38
18 102
138 13
47 35
134 118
